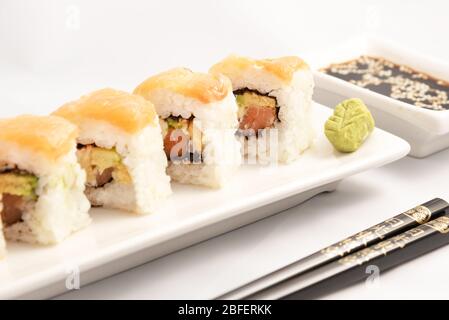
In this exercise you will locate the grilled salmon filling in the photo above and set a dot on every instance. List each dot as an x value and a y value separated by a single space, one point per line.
17 193
256 111
102 166
182 139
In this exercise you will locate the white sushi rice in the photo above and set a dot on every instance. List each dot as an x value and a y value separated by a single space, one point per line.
295 132
143 156
218 122
61 207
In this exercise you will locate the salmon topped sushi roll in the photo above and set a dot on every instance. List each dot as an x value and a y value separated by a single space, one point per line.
274 97
2 238
41 183
198 116
120 148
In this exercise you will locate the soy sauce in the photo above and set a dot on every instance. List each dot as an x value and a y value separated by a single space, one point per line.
395 81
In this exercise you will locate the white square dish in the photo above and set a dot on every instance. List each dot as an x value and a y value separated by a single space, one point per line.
117 241
426 130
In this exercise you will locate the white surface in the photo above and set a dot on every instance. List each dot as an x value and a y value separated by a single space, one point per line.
206 269
427 131
48 58
115 236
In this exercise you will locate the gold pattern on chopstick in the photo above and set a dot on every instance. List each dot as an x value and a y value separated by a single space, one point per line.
398 242
441 224
363 238
420 214
382 248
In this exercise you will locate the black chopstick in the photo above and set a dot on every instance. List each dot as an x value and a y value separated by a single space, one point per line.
353 268
387 229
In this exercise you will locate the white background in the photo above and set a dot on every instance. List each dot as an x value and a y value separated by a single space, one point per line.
52 51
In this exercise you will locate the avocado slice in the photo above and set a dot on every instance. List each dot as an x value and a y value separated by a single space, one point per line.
249 98
252 99
177 122
18 184
95 160
104 158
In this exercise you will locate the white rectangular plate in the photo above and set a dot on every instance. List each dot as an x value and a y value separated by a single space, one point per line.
427 131
117 241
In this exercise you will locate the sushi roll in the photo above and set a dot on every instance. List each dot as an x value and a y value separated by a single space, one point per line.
198 116
274 97
120 148
2 239
41 183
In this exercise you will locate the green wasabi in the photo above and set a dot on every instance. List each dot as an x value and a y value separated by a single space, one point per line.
349 126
